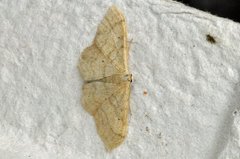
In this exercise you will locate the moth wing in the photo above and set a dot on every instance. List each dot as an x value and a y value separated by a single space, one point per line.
109 105
109 52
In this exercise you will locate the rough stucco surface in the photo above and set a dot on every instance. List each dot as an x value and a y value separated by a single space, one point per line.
191 108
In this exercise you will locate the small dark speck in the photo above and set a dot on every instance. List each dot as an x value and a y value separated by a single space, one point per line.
102 60
235 112
147 129
210 39
159 135
145 93
148 117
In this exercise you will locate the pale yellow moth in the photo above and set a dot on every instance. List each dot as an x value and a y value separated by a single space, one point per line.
106 89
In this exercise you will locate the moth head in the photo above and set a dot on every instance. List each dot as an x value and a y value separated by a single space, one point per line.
128 77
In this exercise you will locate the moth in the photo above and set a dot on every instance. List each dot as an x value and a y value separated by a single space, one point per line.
106 89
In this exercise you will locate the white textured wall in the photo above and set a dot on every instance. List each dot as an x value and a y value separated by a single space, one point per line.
192 106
